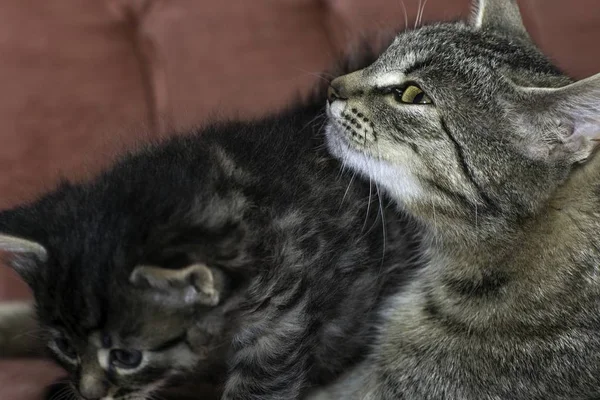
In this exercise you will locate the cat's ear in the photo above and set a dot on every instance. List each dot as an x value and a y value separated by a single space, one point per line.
576 108
24 255
196 284
502 15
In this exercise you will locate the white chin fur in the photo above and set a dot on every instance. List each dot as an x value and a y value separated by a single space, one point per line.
397 180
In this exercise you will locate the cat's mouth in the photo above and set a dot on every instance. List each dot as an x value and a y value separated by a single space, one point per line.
353 126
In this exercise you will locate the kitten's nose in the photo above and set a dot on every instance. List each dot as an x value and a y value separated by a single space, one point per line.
91 388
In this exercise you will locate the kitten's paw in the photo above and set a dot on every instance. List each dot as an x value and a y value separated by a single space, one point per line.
19 333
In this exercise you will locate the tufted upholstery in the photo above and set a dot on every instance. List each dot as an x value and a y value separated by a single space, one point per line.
85 80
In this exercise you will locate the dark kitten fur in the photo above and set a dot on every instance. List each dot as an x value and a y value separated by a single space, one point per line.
244 239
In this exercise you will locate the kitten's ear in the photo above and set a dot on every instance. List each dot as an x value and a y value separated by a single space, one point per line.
188 286
576 107
24 255
503 15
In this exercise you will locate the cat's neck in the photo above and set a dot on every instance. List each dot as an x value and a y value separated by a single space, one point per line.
532 262
569 221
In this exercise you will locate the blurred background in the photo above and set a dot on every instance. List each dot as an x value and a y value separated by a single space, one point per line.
85 80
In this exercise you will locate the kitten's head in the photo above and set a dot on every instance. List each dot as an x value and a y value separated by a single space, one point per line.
465 121
122 313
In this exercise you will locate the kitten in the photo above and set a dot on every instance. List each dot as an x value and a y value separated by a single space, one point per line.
244 244
473 132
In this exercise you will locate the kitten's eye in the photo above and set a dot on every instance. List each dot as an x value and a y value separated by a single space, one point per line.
65 347
412 94
126 359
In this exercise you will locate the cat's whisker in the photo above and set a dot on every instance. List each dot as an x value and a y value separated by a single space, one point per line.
325 77
368 206
320 115
381 208
405 13
421 13
434 217
384 232
325 120
476 221
347 190
417 16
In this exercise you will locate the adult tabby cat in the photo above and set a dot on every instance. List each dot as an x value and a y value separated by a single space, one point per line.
479 137
244 243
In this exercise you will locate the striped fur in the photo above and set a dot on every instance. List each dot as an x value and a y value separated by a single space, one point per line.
302 254
500 168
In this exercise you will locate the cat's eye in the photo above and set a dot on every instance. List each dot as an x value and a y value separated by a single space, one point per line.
126 359
411 94
65 347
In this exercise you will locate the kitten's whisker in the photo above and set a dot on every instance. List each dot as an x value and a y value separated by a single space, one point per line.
34 333
63 393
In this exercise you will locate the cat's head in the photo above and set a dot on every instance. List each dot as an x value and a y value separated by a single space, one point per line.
465 121
122 315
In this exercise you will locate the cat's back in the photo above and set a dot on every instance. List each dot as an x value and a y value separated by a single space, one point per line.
280 150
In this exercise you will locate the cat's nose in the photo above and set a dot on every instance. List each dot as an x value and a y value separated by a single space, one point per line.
335 92
345 86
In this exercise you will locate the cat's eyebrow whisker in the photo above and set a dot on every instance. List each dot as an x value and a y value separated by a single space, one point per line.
420 13
417 16
405 13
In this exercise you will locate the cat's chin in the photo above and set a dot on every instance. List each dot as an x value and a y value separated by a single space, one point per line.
397 180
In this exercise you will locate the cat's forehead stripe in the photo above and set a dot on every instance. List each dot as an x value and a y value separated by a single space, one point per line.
408 63
388 79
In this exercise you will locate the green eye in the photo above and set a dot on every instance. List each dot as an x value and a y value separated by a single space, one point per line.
411 94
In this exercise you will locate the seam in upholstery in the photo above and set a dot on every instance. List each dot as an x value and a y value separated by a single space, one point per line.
150 64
